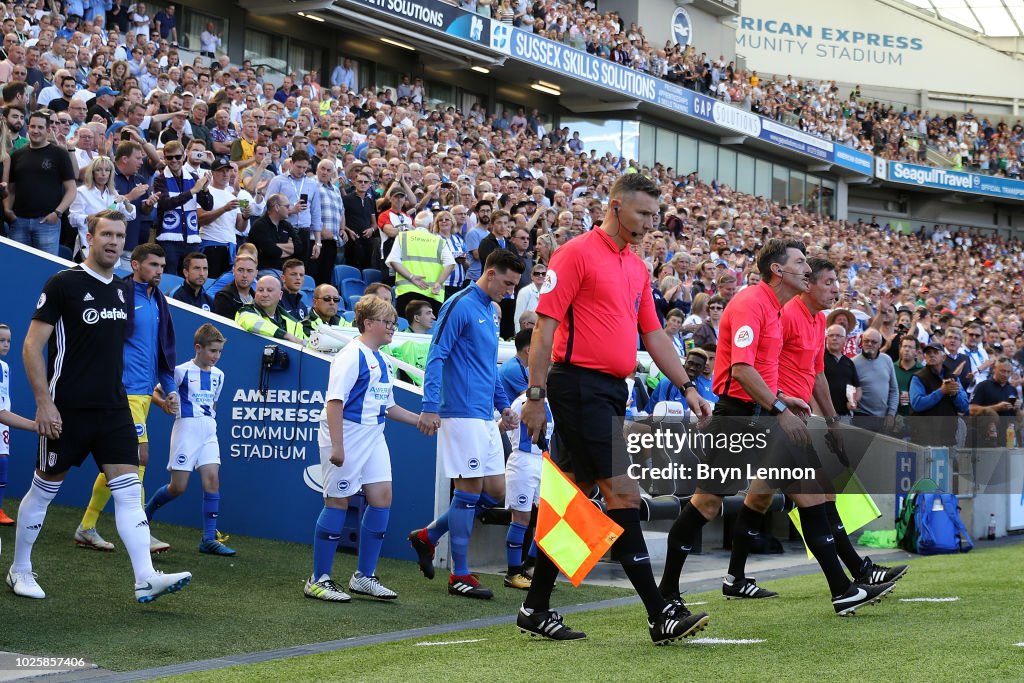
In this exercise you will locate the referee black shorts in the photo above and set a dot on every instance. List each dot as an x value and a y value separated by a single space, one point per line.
108 434
735 422
588 407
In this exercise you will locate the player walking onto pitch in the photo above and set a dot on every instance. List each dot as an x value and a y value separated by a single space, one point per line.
354 454
522 490
82 408
461 391
7 419
194 444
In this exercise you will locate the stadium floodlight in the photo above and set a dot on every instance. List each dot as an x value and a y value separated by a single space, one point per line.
396 43
481 69
553 86
313 17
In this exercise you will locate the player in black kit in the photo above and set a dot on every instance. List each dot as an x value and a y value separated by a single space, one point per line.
82 408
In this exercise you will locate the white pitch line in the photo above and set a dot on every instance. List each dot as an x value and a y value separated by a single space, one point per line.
952 599
1018 644
727 641
451 642
696 603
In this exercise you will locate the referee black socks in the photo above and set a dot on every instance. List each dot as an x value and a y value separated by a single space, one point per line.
630 550
819 538
746 529
680 540
844 547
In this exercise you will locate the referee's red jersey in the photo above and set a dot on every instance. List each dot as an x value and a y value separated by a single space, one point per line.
803 349
601 297
750 332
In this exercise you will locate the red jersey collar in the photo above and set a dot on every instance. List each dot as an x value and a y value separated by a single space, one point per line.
770 295
607 239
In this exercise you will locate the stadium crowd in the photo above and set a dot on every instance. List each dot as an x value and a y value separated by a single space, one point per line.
967 141
207 156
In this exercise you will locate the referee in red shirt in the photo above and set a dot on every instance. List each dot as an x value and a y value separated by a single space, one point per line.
747 373
596 298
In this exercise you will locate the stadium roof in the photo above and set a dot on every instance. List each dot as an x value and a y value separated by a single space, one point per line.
995 18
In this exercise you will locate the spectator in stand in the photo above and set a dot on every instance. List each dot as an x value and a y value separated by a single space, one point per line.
229 300
324 311
528 297
877 397
840 372
195 270
40 188
707 333
303 205
293 278
442 227
335 232
210 41
420 316
97 193
219 227
181 194
273 235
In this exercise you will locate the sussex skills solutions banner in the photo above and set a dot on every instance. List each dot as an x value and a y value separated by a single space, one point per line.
436 15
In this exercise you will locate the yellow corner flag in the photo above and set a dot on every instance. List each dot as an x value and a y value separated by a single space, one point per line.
855 505
573 532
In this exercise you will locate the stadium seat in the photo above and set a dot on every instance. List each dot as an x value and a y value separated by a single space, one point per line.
308 284
168 283
403 324
122 272
351 287
269 271
343 272
349 315
213 286
371 275
352 301
307 298
64 253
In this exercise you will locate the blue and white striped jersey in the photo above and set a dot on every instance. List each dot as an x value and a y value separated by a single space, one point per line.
361 379
520 436
5 404
198 390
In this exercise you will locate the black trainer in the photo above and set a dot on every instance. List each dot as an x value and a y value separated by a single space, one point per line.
745 589
424 553
859 595
468 586
873 574
675 622
546 624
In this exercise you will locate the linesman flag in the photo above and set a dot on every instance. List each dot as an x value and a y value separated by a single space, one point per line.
573 532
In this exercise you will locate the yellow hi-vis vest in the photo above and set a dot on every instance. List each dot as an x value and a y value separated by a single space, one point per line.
421 255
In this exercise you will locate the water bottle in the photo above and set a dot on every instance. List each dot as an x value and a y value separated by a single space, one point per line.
1011 436
991 534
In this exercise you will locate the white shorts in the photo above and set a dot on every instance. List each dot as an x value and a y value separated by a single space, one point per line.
470 448
367 461
193 444
522 480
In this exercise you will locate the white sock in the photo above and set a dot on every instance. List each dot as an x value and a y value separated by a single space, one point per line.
132 526
31 514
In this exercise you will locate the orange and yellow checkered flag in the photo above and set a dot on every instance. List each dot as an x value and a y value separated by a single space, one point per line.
573 532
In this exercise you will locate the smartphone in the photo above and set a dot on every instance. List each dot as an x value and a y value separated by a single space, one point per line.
125 136
446 186
304 198
1012 400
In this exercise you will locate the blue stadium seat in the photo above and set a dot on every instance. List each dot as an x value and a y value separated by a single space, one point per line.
352 301
122 272
269 271
213 286
64 252
351 287
168 282
307 298
349 315
371 275
309 284
343 272
403 324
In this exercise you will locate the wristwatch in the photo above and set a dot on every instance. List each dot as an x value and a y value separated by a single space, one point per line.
778 407
686 387
536 394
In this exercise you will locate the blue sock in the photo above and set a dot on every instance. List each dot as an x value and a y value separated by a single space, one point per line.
533 549
325 540
487 501
211 510
514 546
439 528
3 479
159 499
460 521
371 538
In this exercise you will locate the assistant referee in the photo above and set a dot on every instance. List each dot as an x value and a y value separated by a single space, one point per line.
596 297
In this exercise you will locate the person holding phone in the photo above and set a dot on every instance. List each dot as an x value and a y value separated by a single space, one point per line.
303 200
935 393
996 393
